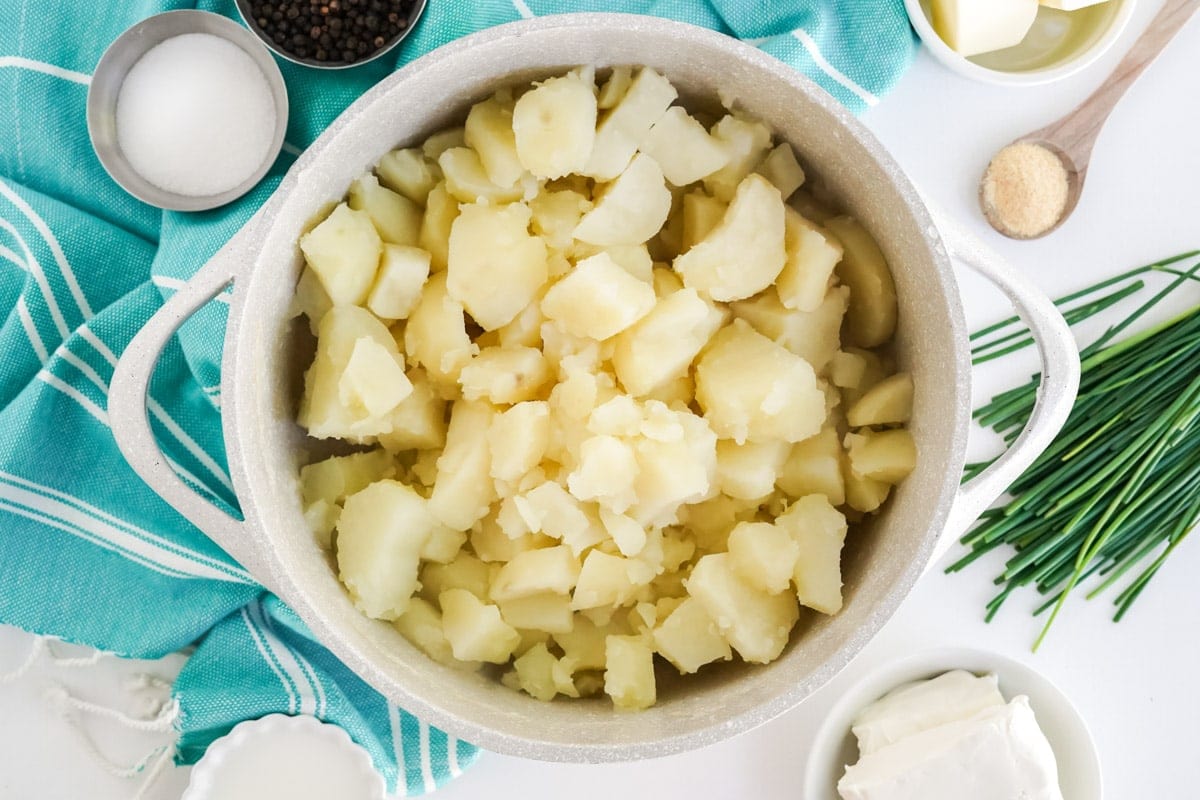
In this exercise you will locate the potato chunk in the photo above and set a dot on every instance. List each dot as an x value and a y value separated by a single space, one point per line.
604 582
597 299
518 439
550 570
676 471
555 125
380 535
410 173
887 402
632 209
745 253
820 531
489 132
496 267
546 611
373 380
811 259
887 456
397 218
812 335
468 182
747 471
505 375
764 555
814 466
464 572
661 346
782 169
689 638
871 318
419 422
463 489
621 132
606 473
440 212
701 214
475 630
757 624
421 624
629 672
745 143
343 251
752 389
397 289
685 151
436 336
338 477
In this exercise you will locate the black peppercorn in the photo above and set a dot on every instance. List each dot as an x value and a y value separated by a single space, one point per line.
331 31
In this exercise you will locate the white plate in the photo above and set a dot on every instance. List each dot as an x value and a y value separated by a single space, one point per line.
834 746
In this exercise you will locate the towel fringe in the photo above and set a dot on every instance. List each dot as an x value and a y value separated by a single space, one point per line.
35 650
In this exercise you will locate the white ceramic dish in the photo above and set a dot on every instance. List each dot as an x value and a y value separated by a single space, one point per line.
1060 44
834 746
263 362
282 756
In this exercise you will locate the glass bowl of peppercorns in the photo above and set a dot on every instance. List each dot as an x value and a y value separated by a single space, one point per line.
331 34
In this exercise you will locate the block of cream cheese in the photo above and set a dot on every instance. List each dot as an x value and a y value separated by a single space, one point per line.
922 705
971 27
1070 5
1000 753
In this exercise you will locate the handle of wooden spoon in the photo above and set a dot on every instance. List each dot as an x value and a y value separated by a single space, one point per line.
1075 134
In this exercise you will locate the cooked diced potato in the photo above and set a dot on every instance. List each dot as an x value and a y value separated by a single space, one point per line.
755 623
549 509
322 411
518 439
814 466
603 581
689 638
606 472
535 673
634 259
871 317
555 125
597 299
701 214
489 132
402 274
505 375
397 218
748 471
662 345
782 170
752 389
671 473
584 644
556 214
632 209
435 336
623 130
812 335
442 141
475 630
322 517
542 612
463 489
381 532
343 251
410 173
683 148
626 532
550 570
373 381
811 259
443 545
862 493
745 252
887 402
619 416
629 672
421 624
615 87
464 572
338 477
468 182
745 142
846 370
419 422
311 299
764 555
887 456
496 267
820 531
492 545
441 209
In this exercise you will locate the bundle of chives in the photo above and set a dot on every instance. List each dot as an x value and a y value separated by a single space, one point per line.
1122 480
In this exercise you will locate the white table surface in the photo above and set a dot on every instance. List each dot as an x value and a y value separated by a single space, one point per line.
1134 682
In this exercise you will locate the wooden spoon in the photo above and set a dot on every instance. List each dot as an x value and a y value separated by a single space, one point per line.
1072 137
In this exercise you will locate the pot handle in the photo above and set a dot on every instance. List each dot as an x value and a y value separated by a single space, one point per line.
1056 393
127 405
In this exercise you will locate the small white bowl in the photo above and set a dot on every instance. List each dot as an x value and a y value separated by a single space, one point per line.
279 757
834 746
1060 43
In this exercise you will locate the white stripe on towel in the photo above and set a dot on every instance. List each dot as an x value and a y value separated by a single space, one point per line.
398 750
525 13
256 635
290 661
35 338
48 69
426 766
39 277
55 248
829 69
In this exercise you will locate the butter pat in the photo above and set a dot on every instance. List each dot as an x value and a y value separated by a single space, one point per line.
922 705
971 27
1071 5
999 753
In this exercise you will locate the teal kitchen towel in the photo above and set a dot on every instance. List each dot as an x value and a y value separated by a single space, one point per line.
87 552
